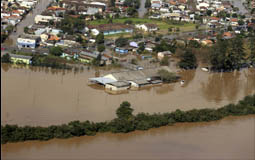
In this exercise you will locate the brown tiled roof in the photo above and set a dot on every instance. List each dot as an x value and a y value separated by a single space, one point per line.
55 8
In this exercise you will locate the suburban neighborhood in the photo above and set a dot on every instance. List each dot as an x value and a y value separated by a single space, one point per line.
113 33
127 79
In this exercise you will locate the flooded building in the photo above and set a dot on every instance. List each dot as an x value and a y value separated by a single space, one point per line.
120 81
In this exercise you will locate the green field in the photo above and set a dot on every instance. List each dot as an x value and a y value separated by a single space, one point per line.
163 25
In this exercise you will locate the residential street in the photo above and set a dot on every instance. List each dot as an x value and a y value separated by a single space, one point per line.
28 20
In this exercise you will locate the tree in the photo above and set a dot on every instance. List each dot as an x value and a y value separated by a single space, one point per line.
230 28
194 44
128 21
164 46
134 61
167 76
26 29
209 12
71 25
164 61
100 38
100 48
112 3
170 29
197 27
252 48
148 4
121 42
124 111
141 47
241 22
131 11
97 61
234 15
79 39
51 22
236 54
6 58
56 51
188 60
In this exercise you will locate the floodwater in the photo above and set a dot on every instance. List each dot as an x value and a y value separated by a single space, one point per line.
42 96
229 139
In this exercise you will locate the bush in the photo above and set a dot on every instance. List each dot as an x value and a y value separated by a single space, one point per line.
166 76
188 60
126 122
6 58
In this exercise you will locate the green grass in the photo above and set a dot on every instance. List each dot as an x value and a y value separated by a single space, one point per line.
163 25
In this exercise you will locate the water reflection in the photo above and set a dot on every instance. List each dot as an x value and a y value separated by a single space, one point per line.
187 76
229 85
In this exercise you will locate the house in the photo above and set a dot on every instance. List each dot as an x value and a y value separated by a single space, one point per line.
45 19
147 27
57 10
28 41
15 58
207 42
110 29
121 50
171 15
161 55
234 22
82 6
227 35
117 87
87 57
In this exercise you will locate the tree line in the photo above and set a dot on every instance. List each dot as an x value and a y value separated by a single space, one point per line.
125 122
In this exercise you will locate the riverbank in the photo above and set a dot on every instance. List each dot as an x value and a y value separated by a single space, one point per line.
231 137
126 122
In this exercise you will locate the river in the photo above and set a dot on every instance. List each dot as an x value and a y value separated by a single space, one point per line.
227 139
41 96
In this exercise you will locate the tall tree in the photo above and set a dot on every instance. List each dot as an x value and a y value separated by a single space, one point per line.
188 60
100 38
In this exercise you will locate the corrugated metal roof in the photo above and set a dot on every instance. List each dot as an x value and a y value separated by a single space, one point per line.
102 80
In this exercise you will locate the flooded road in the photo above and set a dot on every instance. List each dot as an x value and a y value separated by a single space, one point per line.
41 96
228 139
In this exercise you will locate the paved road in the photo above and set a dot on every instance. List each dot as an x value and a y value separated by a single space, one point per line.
28 20
239 4
142 10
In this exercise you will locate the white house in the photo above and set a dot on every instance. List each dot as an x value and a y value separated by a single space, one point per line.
27 41
161 55
147 27
45 19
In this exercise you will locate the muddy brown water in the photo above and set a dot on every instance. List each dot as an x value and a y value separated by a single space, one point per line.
42 96
229 139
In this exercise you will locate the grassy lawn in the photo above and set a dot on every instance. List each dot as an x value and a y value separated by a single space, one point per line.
163 25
